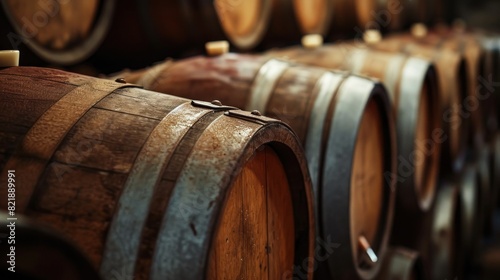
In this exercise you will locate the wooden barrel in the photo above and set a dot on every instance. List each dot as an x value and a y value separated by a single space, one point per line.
476 106
411 84
451 68
292 19
445 235
161 28
344 123
58 31
40 253
401 264
154 186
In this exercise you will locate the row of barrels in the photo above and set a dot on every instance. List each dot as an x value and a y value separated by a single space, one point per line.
67 32
160 187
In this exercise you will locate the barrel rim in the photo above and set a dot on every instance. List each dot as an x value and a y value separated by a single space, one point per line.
334 174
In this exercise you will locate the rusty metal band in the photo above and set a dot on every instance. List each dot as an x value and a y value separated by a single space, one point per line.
407 116
392 76
42 140
187 224
124 235
264 84
326 87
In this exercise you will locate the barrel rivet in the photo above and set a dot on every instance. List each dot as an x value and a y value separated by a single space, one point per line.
216 102
367 248
256 113
121 81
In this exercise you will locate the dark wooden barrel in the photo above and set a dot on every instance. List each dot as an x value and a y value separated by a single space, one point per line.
291 19
345 125
161 28
154 186
451 68
485 167
445 235
58 31
412 87
40 253
401 264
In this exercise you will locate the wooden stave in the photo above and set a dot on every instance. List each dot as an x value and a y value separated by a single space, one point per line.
347 20
340 57
40 250
453 155
170 78
70 56
263 131
402 263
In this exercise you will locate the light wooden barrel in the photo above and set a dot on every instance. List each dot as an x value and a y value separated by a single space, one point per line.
402 264
345 125
153 186
58 31
412 87
40 253
451 68
445 235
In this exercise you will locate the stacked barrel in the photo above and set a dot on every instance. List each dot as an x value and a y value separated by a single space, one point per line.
373 157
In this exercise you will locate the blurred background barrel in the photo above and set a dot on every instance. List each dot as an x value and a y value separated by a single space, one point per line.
344 122
58 31
40 253
154 186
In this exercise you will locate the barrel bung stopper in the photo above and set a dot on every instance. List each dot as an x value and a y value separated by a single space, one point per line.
367 249
216 48
9 58
312 41
372 36
459 25
419 30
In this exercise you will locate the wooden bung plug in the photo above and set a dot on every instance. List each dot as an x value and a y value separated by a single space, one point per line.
419 30
9 58
217 48
312 41
372 36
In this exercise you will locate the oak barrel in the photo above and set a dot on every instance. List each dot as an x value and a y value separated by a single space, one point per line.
154 186
476 107
345 125
412 87
159 28
402 264
35 252
58 31
451 68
